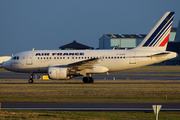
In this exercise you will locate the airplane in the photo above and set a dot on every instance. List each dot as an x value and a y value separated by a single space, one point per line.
67 64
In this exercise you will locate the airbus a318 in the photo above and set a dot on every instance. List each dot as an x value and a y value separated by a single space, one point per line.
67 64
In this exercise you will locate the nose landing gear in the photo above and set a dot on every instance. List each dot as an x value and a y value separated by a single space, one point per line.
31 78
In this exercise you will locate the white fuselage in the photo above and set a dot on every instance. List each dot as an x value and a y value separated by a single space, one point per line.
115 60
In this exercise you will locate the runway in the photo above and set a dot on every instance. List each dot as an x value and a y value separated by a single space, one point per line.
51 82
113 75
89 106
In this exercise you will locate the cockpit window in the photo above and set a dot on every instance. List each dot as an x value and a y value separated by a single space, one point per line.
15 58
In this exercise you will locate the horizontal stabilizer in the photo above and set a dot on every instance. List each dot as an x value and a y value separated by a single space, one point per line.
160 54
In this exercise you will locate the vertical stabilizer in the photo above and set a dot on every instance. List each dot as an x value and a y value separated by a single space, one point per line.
158 38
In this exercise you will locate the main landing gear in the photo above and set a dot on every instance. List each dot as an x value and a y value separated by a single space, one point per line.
31 78
88 80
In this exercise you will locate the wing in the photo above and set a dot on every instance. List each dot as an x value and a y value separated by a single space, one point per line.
84 64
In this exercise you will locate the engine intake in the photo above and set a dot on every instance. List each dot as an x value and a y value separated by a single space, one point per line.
58 73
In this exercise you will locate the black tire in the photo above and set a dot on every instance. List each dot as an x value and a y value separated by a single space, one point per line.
85 79
30 81
91 80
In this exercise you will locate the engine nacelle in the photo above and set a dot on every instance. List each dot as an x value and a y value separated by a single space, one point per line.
97 69
58 73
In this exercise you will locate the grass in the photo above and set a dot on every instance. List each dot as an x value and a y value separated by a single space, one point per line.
76 91
3 70
56 115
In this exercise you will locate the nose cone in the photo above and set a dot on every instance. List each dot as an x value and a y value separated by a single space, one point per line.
6 65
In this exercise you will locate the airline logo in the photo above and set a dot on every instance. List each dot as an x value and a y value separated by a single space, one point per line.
160 36
58 54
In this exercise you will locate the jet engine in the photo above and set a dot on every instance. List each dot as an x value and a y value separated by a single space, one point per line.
58 73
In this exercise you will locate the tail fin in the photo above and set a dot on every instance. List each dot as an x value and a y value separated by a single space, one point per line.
158 37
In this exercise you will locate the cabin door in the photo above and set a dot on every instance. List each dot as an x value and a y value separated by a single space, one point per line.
29 59
132 58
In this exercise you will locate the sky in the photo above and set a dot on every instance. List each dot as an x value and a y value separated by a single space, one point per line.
49 24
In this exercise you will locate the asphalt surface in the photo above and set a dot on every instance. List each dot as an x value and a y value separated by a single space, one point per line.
113 75
89 106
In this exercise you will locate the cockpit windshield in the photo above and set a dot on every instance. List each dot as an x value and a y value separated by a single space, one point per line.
15 58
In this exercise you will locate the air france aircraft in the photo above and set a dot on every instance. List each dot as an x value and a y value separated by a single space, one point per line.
67 64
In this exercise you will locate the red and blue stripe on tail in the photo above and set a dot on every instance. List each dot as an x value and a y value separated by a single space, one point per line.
159 35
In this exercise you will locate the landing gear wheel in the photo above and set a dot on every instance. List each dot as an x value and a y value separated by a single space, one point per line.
30 81
85 79
88 80
91 80
31 78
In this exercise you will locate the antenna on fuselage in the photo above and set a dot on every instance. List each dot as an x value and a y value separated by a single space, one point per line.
33 49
